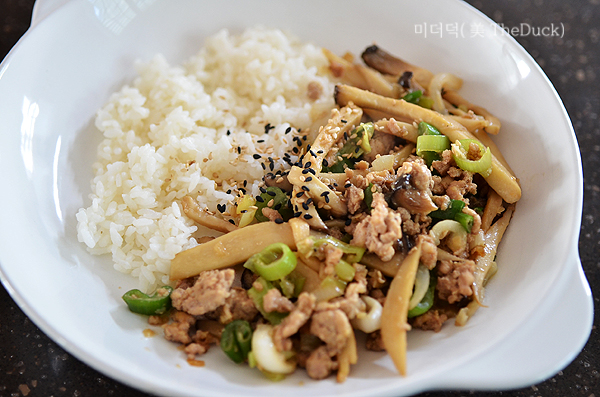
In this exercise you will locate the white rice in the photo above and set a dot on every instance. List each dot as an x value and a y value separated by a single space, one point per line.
166 136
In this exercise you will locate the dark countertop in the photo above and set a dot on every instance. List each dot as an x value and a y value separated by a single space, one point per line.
32 364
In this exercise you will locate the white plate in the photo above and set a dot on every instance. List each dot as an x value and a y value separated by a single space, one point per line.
67 65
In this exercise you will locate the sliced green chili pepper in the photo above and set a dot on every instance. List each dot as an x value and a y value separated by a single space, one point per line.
482 166
356 145
291 285
158 303
236 340
279 202
427 301
465 220
273 263
257 295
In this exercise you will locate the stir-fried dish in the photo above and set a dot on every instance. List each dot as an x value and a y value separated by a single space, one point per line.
386 219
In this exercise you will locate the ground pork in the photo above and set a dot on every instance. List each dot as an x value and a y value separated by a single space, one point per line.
381 143
210 291
428 251
238 306
350 303
455 280
292 323
333 255
379 231
354 198
181 327
273 301
320 364
431 320
374 342
271 214
333 328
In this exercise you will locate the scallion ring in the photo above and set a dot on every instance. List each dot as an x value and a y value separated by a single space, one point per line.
483 165
273 263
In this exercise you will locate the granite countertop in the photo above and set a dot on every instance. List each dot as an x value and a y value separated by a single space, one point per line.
32 364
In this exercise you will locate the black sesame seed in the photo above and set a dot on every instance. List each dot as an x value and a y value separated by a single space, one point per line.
357 149
344 121
260 199
228 132
297 214
306 171
325 193
312 171
325 163
348 222
305 206
271 166
311 152
260 141
347 185
299 194
271 193
239 150
232 222
277 207
327 199
288 130
308 179
295 150
319 151
304 137
306 188
243 190
307 216
345 135
278 221
309 201
262 189
245 183
256 156
308 164
264 167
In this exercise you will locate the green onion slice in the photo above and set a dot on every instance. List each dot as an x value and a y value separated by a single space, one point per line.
273 263
482 166
427 129
432 143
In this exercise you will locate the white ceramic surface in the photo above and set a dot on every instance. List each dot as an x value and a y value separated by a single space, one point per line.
539 311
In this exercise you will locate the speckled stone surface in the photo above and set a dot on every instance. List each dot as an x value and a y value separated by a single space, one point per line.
32 364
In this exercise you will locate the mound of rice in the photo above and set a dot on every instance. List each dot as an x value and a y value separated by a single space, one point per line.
194 130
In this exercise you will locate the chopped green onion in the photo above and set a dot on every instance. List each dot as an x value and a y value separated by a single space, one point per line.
345 271
427 301
291 285
427 129
355 146
369 195
432 143
430 157
425 102
273 263
482 166
465 220
236 340
278 200
156 304
329 288
413 96
454 208
353 253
